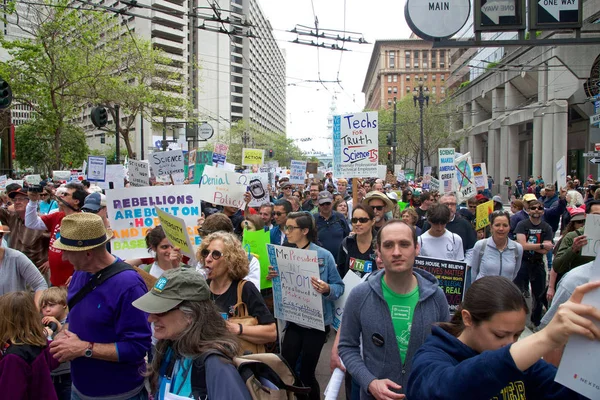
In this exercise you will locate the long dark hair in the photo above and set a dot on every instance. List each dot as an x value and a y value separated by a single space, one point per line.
485 298
305 221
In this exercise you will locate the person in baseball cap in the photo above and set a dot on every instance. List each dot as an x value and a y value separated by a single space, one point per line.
529 197
325 197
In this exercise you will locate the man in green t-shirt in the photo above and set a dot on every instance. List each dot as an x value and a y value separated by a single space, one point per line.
392 312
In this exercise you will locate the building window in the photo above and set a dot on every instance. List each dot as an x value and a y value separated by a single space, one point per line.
442 90
389 102
442 58
389 78
424 77
425 56
442 77
395 78
395 89
392 59
389 89
408 89
433 58
433 90
407 78
407 59
433 77
416 59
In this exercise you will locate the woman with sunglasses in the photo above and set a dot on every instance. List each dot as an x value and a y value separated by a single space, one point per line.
226 265
47 203
356 251
497 255
302 343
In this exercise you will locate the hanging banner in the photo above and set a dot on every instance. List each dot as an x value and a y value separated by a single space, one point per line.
482 217
258 186
139 173
96 169
131 212
450 275
297 172
464 182
480 174
223 187
255 243
356 145
253 157
294 297
177 233
446 163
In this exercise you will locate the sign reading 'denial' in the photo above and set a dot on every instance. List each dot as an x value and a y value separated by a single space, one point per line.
430 19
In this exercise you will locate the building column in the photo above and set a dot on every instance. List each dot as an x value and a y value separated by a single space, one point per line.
492 158
471 144
513 151
503 154
536 152
548 165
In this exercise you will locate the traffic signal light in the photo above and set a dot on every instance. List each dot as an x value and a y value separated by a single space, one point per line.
389 156
99 117
5 94
270 153
389 139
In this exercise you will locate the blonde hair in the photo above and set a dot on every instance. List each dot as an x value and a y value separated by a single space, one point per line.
20 320
233 254
54 295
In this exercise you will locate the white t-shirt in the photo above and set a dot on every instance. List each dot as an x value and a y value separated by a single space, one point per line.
449 246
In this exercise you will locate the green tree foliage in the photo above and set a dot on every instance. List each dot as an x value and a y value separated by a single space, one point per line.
34 142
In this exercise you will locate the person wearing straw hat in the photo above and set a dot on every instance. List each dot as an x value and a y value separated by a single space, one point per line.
380 204
106 338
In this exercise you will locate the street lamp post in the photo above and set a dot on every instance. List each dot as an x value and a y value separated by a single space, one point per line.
421 96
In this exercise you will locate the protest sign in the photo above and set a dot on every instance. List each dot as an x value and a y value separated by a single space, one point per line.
446 163
409 174
96 169
191 158
255 243
400 177
294 297
592 232
297 172
465 182
356 145
167 163
61 175
139 174
220 154
402 205
434 184
33 179
177 233
131 212
312 167
561 173
3 182
253 157
223 187
450 275
426 178
482 217
218 159
351 280
449 185
258 186
480 174
115 177
578 369
397 169
381 171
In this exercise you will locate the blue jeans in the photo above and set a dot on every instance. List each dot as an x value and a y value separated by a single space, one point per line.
143 395
62 386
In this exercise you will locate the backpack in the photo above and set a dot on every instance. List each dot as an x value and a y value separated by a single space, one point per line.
260 373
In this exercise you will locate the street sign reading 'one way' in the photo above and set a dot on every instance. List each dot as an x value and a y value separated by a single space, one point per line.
555 14
499 15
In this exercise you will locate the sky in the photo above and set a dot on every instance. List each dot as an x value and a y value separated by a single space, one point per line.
308 104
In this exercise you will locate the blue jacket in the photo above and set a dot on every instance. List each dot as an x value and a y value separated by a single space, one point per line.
367 316
446 368
276 234
554 207
328 272
332 231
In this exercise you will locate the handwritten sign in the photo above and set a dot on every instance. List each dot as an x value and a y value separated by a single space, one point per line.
223 187
139 173
561 172
434 184
578 369
294 298
464 178
450 275
96 169
480 173
253 157
115 177
297 172
165 163
351 280
177 233
356 145
255 243
33 179
446 163
592 232
258 186
131 212
61 175
482 217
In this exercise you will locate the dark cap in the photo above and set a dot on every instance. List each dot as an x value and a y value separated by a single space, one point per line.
286 185
325 197
92 202
11 187
14 193
171 289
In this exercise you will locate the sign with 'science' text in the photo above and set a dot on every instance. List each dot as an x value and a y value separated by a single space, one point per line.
355 145
294 297
167 163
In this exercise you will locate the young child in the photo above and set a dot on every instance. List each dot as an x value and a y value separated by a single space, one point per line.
25 360
53 304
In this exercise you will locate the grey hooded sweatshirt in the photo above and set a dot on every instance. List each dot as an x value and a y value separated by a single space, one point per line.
367 315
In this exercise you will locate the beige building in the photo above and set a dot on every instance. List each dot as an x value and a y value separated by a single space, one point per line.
397 66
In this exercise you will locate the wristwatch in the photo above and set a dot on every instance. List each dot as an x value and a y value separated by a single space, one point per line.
89 351
542 246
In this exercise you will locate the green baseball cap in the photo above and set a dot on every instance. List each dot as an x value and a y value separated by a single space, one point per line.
171 289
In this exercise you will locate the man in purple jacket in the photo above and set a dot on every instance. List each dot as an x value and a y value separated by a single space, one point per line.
105 338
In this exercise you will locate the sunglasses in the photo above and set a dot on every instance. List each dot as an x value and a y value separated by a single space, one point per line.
536 208
279 213
325 204
378 208
216 254
362 220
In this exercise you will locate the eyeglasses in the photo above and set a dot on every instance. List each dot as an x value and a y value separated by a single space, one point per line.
536 208
279 213
290 228
65 194
378 208
325 204
362 220
216 254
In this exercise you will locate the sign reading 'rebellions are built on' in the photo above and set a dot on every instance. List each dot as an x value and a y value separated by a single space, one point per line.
432 19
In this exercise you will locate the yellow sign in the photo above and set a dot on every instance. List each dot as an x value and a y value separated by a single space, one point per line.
176 231
483 214
253 157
